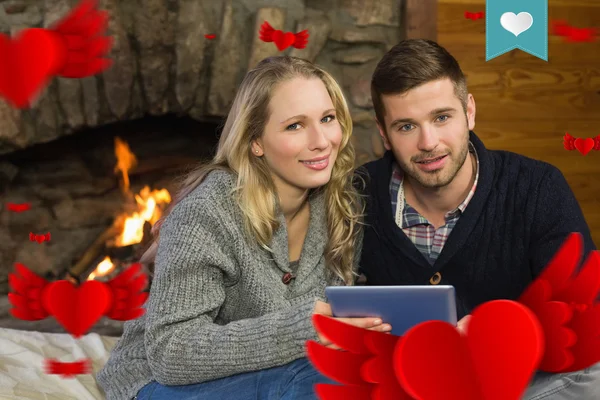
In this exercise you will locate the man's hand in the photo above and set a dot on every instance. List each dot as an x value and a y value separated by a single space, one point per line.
463 324
371 323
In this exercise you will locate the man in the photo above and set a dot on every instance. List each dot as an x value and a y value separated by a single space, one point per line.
444 210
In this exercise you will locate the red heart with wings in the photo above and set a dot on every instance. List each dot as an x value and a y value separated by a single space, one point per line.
552 327
29 62
494 361
77 308
283 40
73 48
584 146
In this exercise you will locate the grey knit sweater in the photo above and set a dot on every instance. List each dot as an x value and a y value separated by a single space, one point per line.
217 305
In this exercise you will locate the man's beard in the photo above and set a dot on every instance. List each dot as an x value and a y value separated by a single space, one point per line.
440 178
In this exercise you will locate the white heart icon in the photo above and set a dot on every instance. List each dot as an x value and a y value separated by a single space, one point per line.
516 24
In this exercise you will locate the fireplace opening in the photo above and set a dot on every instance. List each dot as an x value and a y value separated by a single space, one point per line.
93 197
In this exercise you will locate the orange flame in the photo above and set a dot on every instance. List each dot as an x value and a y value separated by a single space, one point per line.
105 267
149 205
125 161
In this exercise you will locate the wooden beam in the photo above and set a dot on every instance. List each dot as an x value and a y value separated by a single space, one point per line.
420 19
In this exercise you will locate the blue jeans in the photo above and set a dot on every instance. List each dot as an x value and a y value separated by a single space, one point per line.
293 381
578 385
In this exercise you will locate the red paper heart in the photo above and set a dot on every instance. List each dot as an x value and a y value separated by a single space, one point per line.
67 369
40 238
283 40
495 361
77 308
210 36
28 63
584 145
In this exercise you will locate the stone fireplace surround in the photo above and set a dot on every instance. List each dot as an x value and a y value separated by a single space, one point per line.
166 94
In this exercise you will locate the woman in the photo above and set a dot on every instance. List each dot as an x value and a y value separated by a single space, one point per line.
244 256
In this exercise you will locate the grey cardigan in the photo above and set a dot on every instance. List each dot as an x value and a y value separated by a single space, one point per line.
217 304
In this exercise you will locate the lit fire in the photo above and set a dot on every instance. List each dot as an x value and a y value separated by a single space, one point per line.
149 204
104 268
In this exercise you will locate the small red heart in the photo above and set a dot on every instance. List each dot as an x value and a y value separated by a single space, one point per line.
40 238
584 145
28 63
67 369
18 207
495 361
77 308
210 36
283 40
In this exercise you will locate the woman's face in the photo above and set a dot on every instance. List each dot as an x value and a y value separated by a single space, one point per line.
302 136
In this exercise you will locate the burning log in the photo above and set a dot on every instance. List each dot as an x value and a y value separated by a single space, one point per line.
93 252
109 258
123 253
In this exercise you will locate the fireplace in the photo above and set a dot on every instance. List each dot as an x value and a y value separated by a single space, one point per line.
96 193
163 99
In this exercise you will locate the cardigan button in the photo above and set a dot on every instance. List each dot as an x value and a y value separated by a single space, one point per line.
287 278
436 278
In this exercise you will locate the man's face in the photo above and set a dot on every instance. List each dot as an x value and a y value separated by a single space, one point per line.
428 132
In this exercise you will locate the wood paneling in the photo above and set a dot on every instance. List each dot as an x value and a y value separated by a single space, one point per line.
419 19
525 104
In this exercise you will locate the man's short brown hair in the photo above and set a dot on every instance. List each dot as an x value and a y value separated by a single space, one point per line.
411 63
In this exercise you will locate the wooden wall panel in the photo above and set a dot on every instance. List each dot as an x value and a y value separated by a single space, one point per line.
420 19
525 104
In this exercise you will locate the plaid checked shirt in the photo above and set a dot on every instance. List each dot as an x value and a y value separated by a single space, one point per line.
426 238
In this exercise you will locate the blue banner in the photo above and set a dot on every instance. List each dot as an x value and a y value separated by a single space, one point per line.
516 24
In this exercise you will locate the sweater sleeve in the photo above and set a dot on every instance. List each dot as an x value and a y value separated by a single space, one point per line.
183 344
557 215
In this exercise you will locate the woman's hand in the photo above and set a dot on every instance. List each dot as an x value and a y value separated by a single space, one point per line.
371 323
